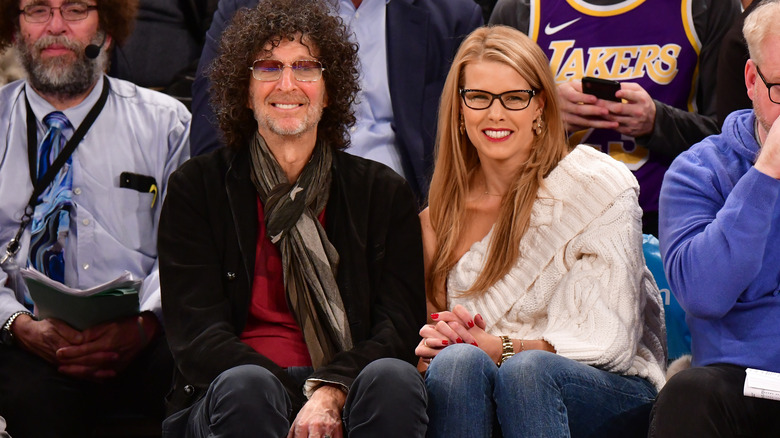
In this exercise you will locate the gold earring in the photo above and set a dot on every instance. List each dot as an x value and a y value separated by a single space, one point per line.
462 126
538 125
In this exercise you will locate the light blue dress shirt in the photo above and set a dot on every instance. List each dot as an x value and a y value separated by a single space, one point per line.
112 229
372 136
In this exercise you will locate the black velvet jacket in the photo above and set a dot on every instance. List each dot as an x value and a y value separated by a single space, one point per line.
207 241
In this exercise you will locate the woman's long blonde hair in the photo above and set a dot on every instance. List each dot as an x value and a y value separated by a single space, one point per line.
456 159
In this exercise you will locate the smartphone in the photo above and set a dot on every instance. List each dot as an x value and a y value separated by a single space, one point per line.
601 88
135 181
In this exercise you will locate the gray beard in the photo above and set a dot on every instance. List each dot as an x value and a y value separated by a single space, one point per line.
59 77
311 120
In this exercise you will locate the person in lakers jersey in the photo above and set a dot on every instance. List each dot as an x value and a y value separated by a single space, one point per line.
663 53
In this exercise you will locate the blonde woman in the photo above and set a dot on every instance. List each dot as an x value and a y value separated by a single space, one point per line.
545 320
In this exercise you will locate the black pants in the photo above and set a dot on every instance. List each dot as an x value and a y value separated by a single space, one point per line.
708 402
39 402
387 399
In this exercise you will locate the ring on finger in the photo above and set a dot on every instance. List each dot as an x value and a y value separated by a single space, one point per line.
425 342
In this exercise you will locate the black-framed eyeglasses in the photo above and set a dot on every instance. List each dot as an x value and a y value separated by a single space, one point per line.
772 89
305 70
68 11
514 100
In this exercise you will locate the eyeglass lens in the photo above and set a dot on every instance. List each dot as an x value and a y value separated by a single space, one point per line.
69 12
511 100
270 70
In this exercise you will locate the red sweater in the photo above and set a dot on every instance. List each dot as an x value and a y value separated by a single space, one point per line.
271 328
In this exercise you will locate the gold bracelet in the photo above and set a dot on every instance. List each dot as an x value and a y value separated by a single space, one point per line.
507 349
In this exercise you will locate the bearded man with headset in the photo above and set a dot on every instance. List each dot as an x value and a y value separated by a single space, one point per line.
83 219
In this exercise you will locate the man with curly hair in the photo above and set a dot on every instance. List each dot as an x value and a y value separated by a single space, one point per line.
83 170
406 47
292 271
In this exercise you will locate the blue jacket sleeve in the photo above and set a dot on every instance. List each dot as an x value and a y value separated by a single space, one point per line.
714 232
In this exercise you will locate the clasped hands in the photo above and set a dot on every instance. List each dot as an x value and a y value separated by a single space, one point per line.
454 327
97 353
634 116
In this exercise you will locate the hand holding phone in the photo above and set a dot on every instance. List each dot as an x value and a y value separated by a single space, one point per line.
601 88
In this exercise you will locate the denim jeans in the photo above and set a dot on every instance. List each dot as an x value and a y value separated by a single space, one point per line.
386 399
533 394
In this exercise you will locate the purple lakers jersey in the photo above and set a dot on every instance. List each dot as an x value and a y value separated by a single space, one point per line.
652 43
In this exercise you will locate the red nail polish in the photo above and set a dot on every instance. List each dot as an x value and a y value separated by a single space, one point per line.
445 342
474 344
434 315
471 324
459 341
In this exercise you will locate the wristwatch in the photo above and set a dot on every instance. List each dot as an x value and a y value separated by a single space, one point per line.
6 336
507 349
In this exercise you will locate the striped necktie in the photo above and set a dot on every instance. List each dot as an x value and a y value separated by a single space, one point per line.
51 219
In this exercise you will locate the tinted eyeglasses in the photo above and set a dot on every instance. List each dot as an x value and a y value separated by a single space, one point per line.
772 89
43 13
514 100
305 70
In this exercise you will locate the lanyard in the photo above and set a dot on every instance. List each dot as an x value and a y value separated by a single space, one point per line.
32 155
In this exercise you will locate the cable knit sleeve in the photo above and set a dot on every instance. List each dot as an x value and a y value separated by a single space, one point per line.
595 311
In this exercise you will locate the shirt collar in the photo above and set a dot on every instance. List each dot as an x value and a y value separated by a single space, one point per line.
346 6
75 114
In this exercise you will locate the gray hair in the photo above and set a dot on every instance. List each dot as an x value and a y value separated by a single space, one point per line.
759 25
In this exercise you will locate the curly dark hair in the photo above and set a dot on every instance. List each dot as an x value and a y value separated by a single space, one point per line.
273 21
116 17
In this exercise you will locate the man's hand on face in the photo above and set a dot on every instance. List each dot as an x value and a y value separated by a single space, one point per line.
768 161
107 348
321 415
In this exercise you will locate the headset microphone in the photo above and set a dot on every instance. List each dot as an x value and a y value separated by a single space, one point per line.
92 51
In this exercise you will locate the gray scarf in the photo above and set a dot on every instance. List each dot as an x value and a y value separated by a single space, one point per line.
309 260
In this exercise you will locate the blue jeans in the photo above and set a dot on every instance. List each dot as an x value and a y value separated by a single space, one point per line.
386 399
533 394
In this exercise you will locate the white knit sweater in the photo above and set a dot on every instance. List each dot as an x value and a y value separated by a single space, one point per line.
580 282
